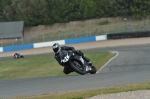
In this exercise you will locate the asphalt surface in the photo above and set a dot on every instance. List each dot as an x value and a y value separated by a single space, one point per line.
132 65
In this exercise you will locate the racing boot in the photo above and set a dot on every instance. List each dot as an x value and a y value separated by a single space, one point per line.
83 56
87 60
67 70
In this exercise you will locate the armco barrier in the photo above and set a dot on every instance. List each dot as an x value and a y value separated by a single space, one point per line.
101 37
80 40
46 44
1 49
17 47
77 40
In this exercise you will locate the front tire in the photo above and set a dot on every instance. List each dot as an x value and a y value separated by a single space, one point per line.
78 67
22 56
93 71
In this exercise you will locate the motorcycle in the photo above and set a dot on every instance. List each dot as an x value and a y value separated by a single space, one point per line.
76 63
18 55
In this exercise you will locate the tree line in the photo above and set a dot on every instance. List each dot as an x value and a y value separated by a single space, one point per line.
37 12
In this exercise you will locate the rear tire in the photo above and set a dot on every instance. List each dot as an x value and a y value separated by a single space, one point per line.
78 67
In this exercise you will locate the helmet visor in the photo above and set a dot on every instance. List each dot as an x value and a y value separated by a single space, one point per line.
56 49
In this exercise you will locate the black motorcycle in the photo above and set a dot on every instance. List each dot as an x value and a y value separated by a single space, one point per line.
18 55
76 63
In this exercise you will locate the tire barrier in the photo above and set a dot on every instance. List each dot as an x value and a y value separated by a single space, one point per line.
128 35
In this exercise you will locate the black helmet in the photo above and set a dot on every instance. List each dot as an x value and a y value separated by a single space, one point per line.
56 47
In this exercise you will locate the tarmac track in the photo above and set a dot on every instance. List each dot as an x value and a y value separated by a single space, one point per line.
132 65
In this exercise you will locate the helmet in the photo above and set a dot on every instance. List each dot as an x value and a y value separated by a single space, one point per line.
56 47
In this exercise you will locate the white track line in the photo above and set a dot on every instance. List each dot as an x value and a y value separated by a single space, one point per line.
108 61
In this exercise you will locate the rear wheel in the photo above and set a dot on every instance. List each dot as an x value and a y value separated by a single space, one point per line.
78 67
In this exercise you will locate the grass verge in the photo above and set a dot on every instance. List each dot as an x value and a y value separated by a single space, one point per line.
43 66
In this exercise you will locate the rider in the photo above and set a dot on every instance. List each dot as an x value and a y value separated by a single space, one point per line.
17 53
57 49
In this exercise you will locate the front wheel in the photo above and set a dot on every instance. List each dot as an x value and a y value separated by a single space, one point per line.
93 71
78 67
22 56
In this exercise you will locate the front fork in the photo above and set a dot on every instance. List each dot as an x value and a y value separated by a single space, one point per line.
88 68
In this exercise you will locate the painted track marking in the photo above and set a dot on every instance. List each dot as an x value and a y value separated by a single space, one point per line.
108 61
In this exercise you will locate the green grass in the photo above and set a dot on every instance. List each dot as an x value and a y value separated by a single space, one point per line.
43 66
